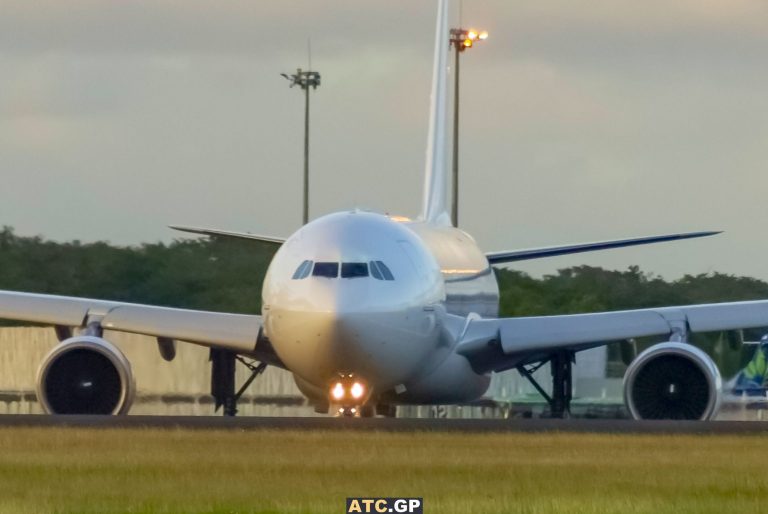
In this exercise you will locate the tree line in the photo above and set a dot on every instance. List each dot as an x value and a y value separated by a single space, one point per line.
217 274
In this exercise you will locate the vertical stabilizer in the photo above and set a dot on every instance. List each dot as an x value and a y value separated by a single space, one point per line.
435 207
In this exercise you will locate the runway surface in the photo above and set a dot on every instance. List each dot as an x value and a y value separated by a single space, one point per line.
389 424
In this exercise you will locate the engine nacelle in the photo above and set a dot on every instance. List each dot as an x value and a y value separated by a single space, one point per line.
672 381
85 375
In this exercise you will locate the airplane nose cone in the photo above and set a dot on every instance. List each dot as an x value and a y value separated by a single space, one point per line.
383 346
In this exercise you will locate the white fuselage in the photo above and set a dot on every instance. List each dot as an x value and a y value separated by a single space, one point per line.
361 293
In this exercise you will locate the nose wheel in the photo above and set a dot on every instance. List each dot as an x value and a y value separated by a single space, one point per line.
356 411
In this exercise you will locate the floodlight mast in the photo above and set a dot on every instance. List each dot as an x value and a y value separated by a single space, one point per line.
305 80
461 39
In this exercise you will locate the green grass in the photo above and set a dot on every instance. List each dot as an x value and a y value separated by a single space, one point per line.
83 470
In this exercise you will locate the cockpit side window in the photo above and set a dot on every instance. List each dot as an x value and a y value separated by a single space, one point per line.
354 269
385 271
303 270
375 273
326 269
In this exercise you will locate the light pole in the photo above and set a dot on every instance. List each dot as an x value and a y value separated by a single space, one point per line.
461 39
305 80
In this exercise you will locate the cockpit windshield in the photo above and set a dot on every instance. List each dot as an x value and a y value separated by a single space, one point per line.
326 269
378 270
354 269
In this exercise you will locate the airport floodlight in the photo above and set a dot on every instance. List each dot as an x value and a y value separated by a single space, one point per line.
305 79
460 39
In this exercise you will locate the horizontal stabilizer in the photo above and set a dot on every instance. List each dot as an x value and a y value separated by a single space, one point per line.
552 251
226 233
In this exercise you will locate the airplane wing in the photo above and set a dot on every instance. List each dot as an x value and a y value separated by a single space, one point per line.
237 332
496 344
213 232
552 251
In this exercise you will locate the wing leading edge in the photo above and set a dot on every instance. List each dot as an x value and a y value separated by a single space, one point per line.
500 343
236 332
552 251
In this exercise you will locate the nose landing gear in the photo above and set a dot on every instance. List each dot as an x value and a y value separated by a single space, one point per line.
361 411
348 412
350 396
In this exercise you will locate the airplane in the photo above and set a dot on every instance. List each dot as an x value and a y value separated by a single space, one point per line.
369 311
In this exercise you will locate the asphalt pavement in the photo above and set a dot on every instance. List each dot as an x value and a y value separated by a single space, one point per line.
388 424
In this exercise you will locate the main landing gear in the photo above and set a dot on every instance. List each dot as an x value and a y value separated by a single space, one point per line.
562 381
223 378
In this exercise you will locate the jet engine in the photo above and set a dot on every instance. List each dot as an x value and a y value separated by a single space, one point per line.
85 375
672 381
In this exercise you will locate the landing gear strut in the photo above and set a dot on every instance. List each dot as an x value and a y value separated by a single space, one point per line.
562 382
223 378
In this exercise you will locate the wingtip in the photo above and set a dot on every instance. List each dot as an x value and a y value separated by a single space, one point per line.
702 233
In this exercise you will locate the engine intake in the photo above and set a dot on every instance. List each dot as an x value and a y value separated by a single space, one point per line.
672 381
85 375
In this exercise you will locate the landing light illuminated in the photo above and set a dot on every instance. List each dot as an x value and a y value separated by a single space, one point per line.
357 390
338 391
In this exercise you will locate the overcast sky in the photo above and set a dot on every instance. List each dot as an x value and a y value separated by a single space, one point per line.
580 121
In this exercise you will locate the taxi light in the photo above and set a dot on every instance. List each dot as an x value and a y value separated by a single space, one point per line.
468 43
483 35
338 391
472 35
357 390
